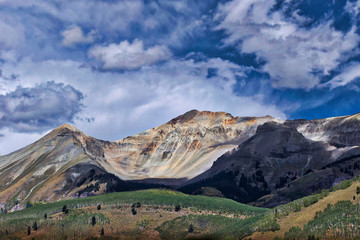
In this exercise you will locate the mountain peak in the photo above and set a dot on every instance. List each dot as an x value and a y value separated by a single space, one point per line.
66 126
63 129
199 115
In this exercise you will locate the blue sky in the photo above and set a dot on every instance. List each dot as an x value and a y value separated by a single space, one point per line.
116 68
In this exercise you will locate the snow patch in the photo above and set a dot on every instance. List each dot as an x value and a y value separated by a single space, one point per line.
313 133
337 152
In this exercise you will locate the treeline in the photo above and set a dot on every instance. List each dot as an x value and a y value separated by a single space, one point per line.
234 185
339 221
296 206
112 183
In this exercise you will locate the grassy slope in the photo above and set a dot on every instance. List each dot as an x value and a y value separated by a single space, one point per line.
208 227
157 208
211 217
299 219
149 197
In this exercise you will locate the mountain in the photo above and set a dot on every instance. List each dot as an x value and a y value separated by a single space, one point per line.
182 148
286 161
67 163
262 161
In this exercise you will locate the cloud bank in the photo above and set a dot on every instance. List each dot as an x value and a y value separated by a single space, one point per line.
39 108
136 64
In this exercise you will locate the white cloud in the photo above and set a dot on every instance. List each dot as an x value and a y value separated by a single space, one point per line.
353 7
114 15
349 73
294 56
127 55
127 103
12 33
75 35
170 23
31 28
40 107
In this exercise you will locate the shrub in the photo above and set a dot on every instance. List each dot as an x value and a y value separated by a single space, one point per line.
133 211
142 225
294 233
29 204
177 208
311 200
268 223
297 207
98 207
342 185
312 237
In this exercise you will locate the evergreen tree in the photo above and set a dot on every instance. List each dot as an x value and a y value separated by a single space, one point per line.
99 207
93 221
29 230
191 228
65 209
35 226
102 233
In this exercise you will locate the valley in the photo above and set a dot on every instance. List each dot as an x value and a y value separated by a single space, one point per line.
165 214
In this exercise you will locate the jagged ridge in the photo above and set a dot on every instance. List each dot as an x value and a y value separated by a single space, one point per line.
65 161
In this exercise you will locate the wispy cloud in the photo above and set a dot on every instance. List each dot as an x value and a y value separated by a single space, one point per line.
348 74
296 56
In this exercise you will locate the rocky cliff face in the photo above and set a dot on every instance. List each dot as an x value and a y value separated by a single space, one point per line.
67 163
338 131
182 148
286 161
40 168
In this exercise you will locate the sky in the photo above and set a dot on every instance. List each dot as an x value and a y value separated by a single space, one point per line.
116 68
